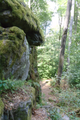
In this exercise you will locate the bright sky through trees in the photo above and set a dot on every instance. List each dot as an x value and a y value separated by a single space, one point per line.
53 7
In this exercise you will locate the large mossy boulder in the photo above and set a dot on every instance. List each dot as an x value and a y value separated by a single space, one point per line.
14 53
16 13
1 109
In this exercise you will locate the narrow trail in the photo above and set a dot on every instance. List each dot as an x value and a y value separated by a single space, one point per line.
40 113
46 90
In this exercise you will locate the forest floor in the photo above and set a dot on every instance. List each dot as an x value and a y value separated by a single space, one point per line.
48 100
43 112
40 113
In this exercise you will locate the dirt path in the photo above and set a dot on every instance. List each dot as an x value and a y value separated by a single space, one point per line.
46 90
41 114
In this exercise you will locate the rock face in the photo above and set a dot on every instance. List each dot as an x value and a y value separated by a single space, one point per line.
14 54
18 21
16 13
33 71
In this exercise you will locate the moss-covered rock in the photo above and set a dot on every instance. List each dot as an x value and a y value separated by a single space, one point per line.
33 71
24 105
1 108
16 13
14 53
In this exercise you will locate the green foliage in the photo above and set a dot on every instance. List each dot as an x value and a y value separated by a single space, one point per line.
68 101
74 68
48 56
40 8
74 77
73 116
69 98
53 82
10 85
54 114
33 84
37 87
62 5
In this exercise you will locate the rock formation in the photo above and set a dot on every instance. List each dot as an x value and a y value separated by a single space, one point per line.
17 23
20 33
14 53
16 13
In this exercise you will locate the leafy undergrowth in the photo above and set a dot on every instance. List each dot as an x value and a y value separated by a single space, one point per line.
12 85
61 102
68 100
14 92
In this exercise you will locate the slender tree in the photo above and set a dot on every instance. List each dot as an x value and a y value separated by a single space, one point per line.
60 23
29 3
70 31
76 15
63 42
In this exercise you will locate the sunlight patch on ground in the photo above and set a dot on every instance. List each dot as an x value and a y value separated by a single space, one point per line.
46 83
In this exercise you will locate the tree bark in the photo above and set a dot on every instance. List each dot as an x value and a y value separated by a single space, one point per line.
70 32
63 42
76 16
60 23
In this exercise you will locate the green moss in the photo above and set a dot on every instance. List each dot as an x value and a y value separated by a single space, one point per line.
1 107
23 12
23 113
11 46
21 16
33 96
16 32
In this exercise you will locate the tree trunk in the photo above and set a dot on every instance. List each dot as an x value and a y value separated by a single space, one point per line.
76 16
60 23
29 4
70 32
63 42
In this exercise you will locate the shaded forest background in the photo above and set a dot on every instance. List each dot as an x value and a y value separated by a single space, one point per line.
48 53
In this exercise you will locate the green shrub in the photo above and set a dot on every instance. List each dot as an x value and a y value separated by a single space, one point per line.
10 85
54 114
69 98
48 56
74 76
